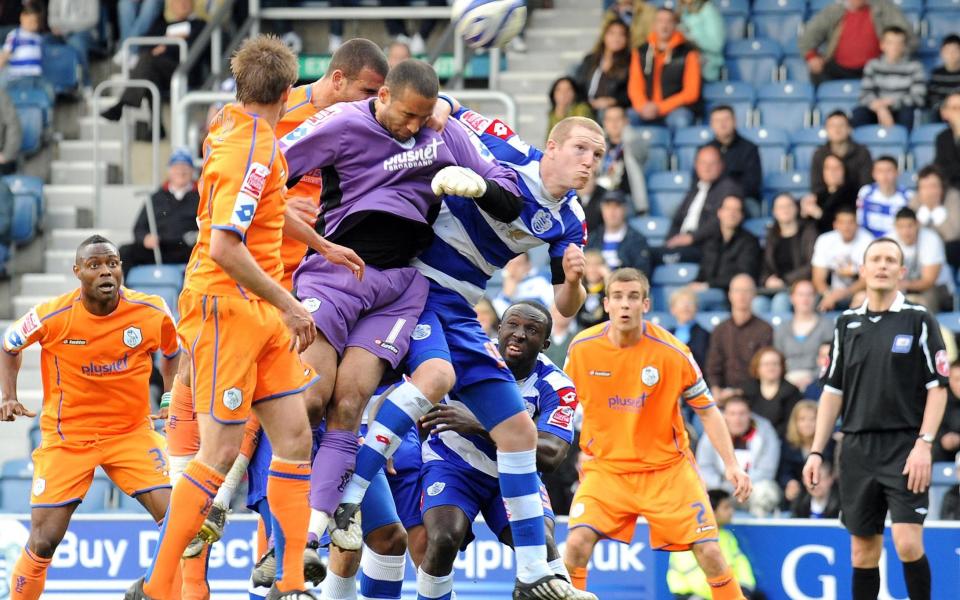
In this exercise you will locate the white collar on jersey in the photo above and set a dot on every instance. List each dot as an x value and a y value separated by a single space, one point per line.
897 305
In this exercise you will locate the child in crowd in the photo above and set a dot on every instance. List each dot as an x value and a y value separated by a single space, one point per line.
22 54
892 86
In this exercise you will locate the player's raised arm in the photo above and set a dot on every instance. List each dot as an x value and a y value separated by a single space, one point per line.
23 332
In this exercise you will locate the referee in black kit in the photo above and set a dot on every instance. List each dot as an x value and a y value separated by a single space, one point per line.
887 380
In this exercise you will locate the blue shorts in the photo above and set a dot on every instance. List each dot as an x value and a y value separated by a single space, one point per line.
405 485
257 472
473 492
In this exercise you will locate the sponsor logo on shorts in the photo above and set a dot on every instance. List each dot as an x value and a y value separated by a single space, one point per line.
75 342
561 417
600 373
650 376
577 510
541 222
415 158
387 346
902 344
943 364
39 485
117 366
421 332
232 398
132 336
311 304
476 122
626 403
436 488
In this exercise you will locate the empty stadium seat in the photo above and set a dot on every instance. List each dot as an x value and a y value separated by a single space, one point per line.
794 68
15 494
942 21
796 183
787 105
929 53
738 95
156 275
61 66
658 159
23 226
818 5
675 274
804 143
841 94
653 136
907 180
912 10
754 61
758 226
685 143
655 229
667 190
922 141
881 140
735 13
950 320
28 185
661 318
31 124
773 145
710 319
777 19
33 96
97 498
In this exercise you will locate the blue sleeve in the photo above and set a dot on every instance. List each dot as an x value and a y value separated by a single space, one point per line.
505 145
574 230
557 407
471 154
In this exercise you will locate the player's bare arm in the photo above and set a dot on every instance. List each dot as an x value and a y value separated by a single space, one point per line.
295 227
229 252
570 295
919 466
716 429
10 408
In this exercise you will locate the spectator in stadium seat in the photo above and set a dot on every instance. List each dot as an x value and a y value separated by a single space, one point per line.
603 72
938 207
696 219
702 24
175 208
731 251
786 253
158 63
800 337
947 157
945 79
878 202
741 157
686 581
75 23
893 86
562 333
815 388
397 52
734 342
664 81
620 168
947 444
837 256
928 280
637 14
837 191
683 308
796 445
487 316
850 34
769 394
595 281
757 449
857 162
522 281
823 502
11 135
567 99
136 18
620 244
22 54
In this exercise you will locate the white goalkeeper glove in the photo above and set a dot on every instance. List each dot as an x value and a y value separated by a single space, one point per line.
458 181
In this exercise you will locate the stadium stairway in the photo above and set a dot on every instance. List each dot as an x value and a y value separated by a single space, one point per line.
557 40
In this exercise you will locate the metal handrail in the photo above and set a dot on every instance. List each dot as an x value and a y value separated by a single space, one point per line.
509 104
155 145
149 40
181 107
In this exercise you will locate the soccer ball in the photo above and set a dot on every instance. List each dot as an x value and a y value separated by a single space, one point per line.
488 23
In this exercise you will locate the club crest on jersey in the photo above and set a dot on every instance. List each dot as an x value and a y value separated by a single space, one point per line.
421 332
541 222
311 304
132 336
232 398
39 485
943 364
901 344
650 376
436 488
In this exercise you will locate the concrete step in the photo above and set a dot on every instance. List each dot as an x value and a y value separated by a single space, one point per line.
109 130
60 217
31 356
29 381
121 205
577 4
576 16
67 172
22 304
533 128
73 195
579 39
111 151
536 61
69 239
527 82
46 284
58 261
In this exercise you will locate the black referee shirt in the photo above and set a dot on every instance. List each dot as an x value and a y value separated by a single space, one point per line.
883 364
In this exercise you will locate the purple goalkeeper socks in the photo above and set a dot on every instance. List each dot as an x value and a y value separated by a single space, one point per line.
332 467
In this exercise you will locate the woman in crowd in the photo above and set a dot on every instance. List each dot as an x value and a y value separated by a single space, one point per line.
788 250
603 72
840 191
768 393
795 448
683 307
799 338
567 99
702 24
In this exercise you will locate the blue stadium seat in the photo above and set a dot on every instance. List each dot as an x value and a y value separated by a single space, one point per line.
926 133
738 95
944 473
941 22
60 67
883 140
796 183
950 320
795 69
754 61
929 52
773 145
98 496
667 190
661 318
23 227
169 293
17 467
28 185
818 5
907 180
36 97
155 275
805 142
676 274
758 226
653 136
36 436
735 13
653 228
786 104
841 94
685 144
710 319
127 504
15 494
777 19
31 123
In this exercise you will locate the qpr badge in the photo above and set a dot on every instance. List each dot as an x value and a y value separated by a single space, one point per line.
436 488
541 222
421 332
132 336
650 376
232 398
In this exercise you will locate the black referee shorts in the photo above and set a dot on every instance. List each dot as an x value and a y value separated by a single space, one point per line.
872 481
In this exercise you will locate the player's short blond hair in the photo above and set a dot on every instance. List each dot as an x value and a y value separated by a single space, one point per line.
562 131
264 68
627 274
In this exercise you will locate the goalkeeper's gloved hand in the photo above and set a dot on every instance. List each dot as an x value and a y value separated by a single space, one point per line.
458 181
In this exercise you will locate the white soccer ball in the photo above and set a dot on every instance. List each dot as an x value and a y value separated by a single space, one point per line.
488 23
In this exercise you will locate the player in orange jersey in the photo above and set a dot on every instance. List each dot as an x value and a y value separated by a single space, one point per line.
630 375
97 345
241 328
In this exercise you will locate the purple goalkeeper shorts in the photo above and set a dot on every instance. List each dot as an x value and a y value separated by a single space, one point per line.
377 314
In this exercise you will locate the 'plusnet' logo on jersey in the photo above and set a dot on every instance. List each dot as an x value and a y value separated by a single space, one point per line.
418 157
117 366
626 403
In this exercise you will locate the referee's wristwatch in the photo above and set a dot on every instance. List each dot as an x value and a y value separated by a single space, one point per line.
927 437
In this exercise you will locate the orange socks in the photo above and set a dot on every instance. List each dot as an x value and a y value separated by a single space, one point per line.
189 503
29 575
195 585
251 437
578 577
183 433
288 486
262 541
725 587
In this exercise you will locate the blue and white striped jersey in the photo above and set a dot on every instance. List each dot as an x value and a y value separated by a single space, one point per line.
551 401
470 246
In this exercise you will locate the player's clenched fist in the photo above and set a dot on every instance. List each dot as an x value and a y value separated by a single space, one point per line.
574 263
458 181
11 409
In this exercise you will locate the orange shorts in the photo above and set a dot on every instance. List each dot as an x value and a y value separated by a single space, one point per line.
63 469
673 500
240 353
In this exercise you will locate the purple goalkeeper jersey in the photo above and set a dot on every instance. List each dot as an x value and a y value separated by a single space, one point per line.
371 178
